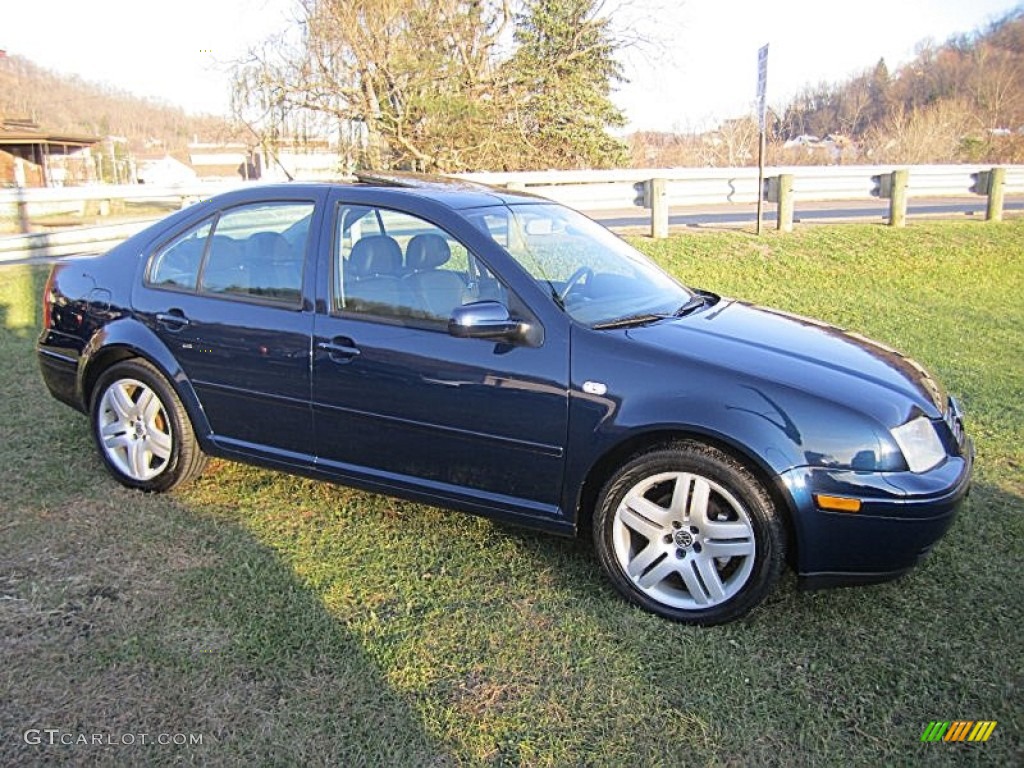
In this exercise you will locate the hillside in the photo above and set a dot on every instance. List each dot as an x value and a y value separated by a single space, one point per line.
68 103
961 101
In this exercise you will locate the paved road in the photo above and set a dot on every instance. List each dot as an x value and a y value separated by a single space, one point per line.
743 214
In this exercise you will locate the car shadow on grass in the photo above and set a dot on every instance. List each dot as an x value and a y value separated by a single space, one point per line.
126 615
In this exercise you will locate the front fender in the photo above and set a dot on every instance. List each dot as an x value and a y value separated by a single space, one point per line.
127 337
648 395
780 427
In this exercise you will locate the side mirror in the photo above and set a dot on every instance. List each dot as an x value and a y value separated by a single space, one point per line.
485 320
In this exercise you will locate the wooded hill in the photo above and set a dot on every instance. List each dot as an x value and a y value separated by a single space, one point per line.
963 100
67 103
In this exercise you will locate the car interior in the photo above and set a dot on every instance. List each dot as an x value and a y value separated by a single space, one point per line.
263 264
394 265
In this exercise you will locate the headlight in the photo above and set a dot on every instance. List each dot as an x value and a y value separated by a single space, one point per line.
920 444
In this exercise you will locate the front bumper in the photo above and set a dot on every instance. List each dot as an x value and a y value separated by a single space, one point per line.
902 516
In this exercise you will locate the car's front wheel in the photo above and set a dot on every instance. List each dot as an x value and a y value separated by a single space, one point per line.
689 533
141 429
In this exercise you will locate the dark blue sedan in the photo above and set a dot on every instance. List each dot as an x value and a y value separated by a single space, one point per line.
500 354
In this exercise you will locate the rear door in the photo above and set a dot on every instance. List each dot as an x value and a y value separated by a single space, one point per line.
228 297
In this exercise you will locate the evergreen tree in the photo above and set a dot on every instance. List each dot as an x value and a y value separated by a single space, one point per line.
880 93
562 75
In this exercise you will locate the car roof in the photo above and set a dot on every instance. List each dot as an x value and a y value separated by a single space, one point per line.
452 192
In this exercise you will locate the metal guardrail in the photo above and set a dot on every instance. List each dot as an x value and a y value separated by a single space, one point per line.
41 195
655 189
76 240
605 190
658 190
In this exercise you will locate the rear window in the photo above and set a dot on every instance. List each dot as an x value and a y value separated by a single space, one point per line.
252 251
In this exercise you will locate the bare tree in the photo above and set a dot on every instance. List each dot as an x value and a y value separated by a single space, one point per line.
932 134
994 82
403 71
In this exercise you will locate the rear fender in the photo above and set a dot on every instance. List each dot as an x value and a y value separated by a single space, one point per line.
127 338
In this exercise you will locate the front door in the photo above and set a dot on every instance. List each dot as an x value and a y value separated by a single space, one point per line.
397 398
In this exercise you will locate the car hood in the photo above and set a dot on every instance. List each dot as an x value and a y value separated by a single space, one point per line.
802 353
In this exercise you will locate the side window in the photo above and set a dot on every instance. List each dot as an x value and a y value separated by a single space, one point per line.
177 264
258 251
393 265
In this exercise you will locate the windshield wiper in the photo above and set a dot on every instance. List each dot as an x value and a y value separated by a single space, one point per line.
623 322
696 302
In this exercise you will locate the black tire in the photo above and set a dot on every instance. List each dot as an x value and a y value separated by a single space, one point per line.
141 429
700 541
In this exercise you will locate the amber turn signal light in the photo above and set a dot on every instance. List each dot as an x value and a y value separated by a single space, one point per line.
837 503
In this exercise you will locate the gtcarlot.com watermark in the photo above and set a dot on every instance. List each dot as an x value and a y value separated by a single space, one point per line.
53 737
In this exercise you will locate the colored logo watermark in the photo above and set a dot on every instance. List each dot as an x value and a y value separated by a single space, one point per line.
958 730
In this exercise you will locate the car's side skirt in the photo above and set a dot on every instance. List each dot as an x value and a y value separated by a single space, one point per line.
495 506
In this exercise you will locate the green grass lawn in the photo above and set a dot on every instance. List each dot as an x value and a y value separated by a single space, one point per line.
291 622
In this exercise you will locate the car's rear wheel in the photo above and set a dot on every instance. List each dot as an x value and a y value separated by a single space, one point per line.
689 533
141 429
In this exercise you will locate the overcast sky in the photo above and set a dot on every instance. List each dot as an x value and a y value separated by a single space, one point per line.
705 69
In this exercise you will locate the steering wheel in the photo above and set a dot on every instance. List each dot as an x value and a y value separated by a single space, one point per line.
574 278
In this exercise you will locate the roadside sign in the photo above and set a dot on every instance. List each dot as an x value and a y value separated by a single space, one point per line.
762 85
762 112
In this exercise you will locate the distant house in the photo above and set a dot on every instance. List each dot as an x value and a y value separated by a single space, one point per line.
224 162
832 149
164 170
309 160
32 157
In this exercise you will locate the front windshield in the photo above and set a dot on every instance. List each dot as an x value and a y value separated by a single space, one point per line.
596 277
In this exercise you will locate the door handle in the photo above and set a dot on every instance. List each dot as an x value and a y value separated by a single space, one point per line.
340 350
174 320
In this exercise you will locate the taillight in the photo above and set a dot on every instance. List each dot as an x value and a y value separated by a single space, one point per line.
48 301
